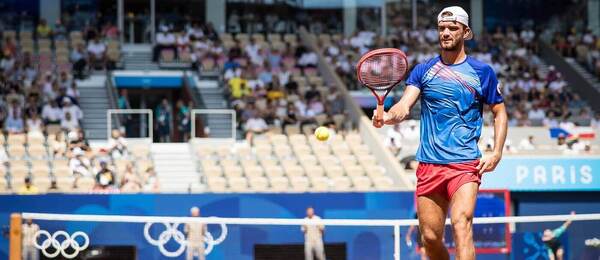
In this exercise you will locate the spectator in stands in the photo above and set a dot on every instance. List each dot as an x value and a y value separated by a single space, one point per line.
130 182
105 178
43 30
28 188
69 106
9 47
410 133
313 237
60 31
165 40
123 100
53 187
291 117
79 59
58 145
96 53
527 144
117 145
163 120
51 113
3 159
34 123
77 139
183 119
255 126
393 140
151 183
308 59
28 236
79 164
7 62
68 122
110 31
14 123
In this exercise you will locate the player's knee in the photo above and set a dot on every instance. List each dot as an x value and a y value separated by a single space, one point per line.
462 222
431 237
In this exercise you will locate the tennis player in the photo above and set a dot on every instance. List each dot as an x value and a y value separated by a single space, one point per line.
453 89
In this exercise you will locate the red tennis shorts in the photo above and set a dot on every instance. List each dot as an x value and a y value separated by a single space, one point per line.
445 179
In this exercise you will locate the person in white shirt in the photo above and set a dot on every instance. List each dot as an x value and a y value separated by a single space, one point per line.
74 110
313 237
255 126
195 237
34 123
393 140
28 231
97 53
79 164
411 133
164 40
73 91
527 144
117 144
68 122
537 114
308 59
51 113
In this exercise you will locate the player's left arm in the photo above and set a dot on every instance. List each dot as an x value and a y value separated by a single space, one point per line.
489 162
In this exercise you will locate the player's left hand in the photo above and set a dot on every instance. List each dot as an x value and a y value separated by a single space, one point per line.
488 163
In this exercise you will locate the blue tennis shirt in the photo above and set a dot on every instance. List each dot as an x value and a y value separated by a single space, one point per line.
452 98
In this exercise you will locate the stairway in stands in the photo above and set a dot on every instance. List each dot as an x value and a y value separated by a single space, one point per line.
94 102
138 57
175 167
589 77
210 94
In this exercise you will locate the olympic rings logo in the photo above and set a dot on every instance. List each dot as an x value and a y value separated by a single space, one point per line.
61 247
172 232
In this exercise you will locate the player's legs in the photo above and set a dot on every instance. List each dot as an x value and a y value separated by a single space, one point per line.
432 211
320 251
189 254
560 254
308 251
423 253
462 207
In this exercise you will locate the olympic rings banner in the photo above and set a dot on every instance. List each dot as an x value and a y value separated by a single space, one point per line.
167 240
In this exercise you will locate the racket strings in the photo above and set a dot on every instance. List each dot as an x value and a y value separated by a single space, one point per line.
383 71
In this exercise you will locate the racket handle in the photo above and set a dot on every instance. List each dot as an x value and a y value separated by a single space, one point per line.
379 112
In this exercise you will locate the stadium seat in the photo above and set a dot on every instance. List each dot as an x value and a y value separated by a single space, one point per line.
140 151
238 184
232 171
253 171
320 184
293 171
334 171
354 171
60 168
361 183
37 151
280 184
18 171
64 183
85 184
16 139
217 184
375 171
314 171
40 169
42 183
300 184
383 183
167 56
3 185
258 184
341 183
273 171
274 37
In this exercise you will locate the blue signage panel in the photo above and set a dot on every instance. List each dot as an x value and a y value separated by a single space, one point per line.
148 82
545 174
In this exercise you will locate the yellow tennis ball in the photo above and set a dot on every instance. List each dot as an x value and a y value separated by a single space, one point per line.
322 133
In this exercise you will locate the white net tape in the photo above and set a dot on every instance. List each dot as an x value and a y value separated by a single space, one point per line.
171 231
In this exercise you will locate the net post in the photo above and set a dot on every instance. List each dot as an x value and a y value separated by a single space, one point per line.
15 236
396 242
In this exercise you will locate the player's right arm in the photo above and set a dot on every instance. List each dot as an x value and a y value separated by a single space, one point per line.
400 110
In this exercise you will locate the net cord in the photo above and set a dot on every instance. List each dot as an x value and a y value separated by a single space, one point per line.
396 224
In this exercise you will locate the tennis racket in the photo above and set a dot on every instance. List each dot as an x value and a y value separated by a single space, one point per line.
381 70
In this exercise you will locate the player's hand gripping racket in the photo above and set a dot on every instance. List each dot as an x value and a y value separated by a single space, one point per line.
381 70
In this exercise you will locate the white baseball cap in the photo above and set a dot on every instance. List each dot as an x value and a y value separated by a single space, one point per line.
455 13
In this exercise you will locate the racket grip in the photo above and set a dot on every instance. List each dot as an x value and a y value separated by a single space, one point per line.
379 112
